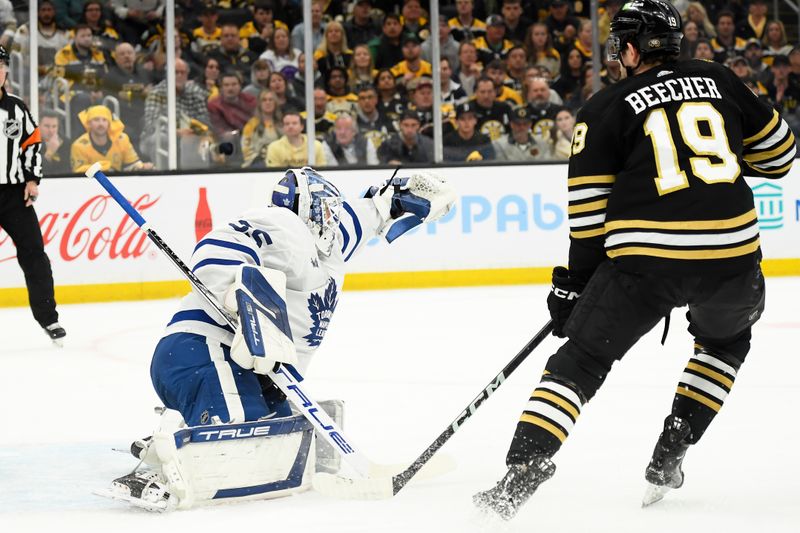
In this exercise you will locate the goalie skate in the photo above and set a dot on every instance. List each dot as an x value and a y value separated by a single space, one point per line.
144 489
516 487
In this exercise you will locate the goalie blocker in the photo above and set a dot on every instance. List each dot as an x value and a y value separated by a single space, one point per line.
218 463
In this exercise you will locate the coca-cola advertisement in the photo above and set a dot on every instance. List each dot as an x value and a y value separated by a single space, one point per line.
90 240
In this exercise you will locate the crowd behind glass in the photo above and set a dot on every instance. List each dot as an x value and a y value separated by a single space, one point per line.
514 73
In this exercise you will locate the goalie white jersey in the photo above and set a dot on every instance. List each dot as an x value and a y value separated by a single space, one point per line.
276 238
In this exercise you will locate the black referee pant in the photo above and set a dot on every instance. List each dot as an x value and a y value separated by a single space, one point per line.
22 225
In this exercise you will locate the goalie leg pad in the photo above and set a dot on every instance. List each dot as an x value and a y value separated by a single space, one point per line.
217 463
196 376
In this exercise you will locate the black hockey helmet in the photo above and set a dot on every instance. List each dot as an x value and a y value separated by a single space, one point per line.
4 57
654 27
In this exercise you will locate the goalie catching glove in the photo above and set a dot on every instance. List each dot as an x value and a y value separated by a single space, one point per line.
264 336
404 203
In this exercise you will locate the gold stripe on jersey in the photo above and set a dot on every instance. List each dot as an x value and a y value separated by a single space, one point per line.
782 170
784 148
726 223
591 206
699 398
583 180
707 372
550 428
721 253
556 399
587 234
763 133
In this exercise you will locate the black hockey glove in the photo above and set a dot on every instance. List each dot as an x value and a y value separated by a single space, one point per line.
562 298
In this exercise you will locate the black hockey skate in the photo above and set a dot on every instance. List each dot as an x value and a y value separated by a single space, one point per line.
516 487
664 471
143 489
56 333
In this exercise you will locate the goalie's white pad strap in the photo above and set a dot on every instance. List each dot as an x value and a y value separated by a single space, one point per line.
254 460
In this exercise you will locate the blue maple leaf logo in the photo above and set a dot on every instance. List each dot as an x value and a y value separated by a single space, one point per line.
321 309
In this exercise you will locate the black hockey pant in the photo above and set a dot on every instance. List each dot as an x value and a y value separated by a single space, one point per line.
615 310
22 225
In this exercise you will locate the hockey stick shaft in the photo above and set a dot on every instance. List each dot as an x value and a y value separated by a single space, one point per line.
286 377
400 480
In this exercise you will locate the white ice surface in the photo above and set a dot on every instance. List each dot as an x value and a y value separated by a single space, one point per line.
407 362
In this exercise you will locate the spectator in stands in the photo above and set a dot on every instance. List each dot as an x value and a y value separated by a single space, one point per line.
420 95
690 36
492 115
259 78
465 27
519 144
494 45
206 36
412 66
752 27
344 146
753 55
390 102
585 91
290 151
407 146
129 83
230 111
571 75
78 56
340 98
561 135
784 94
362 69
210 78
261 130
193 121
540 49
452 92
51 38
775 41
104 142
323 119
703 50
286 100
260 31
562 25
448 46
104 36
136 17
542 111
726 44
469 70
608 14
496 71
317 28
465 143
385 49
413 20
534 73
333 50
583 44
55 152
515 66
371 124
516 23
794 60
741 68
230 54
281 56
297 87
361 28
68 12
696 12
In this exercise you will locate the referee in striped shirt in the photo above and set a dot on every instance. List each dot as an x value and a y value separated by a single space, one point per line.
20 172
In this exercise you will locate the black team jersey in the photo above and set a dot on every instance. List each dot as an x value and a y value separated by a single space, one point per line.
656 175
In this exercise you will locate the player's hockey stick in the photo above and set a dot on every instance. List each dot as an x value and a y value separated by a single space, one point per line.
377 488
286 377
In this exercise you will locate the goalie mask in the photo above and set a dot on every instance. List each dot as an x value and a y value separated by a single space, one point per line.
315 200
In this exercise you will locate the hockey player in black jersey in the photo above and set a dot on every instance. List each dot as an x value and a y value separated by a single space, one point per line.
660 217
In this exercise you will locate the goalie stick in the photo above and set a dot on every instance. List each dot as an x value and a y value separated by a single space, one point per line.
286 377
380 488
